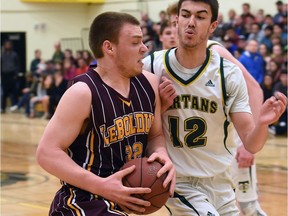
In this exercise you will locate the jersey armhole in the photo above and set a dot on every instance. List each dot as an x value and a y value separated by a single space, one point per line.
223 81
152 62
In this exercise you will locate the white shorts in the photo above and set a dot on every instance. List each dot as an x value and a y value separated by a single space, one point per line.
245 182
204 196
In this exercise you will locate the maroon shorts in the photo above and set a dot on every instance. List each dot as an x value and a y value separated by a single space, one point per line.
70 201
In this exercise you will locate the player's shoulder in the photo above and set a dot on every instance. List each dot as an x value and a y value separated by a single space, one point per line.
211 43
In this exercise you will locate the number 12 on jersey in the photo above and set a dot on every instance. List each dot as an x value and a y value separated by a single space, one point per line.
193 135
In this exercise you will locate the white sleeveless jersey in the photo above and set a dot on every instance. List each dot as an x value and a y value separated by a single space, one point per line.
196 126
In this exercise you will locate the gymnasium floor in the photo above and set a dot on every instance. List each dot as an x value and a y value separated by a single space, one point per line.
27 190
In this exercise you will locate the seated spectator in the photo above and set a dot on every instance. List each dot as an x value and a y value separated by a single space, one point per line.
274 69
264 52
69 69
280 127
68 54
82 67
268 30
87 56
253 61
267 86
28 92
34 63
54 94
41 91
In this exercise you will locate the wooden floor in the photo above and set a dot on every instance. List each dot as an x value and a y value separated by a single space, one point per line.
27 190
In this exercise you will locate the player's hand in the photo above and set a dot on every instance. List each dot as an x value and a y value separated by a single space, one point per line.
244 158
122 195
273 108
167 93
167 167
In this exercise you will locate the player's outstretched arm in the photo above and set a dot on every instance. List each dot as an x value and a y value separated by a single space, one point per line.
255 135
254 90
60 132
156 148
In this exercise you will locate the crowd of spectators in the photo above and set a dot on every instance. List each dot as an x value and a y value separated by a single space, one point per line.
257 40
47 80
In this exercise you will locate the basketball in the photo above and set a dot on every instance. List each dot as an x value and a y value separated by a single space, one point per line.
145 175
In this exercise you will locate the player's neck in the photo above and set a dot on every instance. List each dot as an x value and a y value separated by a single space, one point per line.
114 79
192 57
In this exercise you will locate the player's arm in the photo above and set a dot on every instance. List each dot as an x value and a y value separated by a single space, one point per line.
156 148
254 90
60 132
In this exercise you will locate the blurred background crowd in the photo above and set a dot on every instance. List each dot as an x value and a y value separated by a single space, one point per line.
258 40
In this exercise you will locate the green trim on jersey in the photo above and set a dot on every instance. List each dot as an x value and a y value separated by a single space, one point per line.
198 73
224 95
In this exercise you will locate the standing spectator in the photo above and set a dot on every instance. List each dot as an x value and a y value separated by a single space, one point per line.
34 63
58 55
246 12
253 61
281 13
10 66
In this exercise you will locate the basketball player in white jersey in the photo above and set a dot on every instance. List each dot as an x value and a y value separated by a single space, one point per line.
243 165
211 93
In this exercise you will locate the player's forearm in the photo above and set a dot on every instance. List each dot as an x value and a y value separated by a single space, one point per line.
256 139
59 164
157 144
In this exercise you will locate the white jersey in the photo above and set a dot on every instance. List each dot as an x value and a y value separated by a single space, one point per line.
196 126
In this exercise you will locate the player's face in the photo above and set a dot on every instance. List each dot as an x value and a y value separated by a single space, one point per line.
194 24
130 50
168 38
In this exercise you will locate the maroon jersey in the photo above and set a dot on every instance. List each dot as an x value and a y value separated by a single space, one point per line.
117 131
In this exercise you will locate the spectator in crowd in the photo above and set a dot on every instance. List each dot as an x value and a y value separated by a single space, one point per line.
68 54
256 33
78 55
58 55
87 56
266 55
253 61
246 13
277 54
10 66
82 66
281 13
41 91
69 70
274 69
278 31
268 30
280 127
57 89
28 92
267 86
34 63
